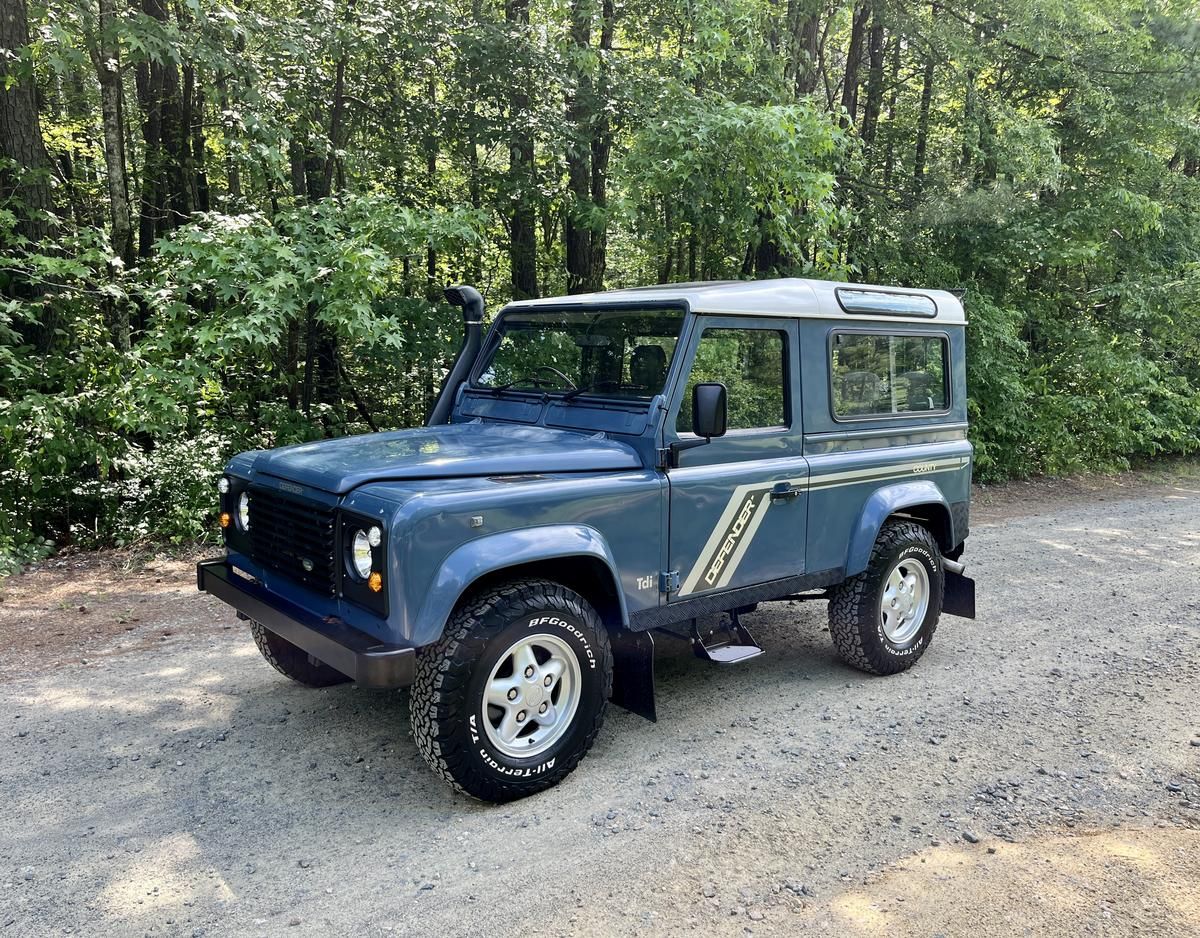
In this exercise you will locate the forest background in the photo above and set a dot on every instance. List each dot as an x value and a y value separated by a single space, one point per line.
227 225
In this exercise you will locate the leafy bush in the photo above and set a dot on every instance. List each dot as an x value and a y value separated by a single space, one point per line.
103 446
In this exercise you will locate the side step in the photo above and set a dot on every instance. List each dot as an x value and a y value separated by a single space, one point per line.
729 644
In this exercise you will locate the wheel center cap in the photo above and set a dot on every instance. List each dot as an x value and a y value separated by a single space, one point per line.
533 694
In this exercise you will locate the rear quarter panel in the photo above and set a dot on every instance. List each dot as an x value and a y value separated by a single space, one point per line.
864 468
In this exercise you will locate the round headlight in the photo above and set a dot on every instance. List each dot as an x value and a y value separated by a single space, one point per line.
223 484
374 537
360 554
244 511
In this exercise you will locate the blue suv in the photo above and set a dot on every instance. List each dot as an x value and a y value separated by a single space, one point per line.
601 469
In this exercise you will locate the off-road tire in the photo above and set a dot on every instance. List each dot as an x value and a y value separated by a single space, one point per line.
855 623
451 675
294 662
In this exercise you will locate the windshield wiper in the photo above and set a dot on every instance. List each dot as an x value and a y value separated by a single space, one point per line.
575 392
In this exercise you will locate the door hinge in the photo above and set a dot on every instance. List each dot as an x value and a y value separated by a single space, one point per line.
668 582
662 458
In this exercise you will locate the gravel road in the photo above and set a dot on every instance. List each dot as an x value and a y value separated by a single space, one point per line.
1038 772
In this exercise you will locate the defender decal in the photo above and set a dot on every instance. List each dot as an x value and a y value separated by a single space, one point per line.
730 537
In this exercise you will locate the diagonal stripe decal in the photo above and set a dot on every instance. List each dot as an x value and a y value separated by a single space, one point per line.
731 536
749 503
715 537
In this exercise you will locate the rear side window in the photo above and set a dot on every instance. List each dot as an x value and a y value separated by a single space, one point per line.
752 366
879 374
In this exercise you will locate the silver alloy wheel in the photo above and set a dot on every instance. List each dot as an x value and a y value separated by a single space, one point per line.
904 601
532 695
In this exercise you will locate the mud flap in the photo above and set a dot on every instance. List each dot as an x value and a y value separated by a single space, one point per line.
633 672
959 596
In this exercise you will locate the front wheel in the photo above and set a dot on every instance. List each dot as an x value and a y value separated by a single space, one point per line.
512 697
294 662
883 619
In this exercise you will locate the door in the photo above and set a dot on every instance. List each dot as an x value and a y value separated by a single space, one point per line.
739 504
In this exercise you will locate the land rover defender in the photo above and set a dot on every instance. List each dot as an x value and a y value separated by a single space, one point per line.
600 469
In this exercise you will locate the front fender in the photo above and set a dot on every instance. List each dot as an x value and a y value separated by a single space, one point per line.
474 559
883 503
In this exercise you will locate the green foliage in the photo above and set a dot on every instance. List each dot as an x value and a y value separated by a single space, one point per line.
321 171
106 447
727 176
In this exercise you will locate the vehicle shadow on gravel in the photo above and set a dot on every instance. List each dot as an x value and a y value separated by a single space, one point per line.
346 736
222 777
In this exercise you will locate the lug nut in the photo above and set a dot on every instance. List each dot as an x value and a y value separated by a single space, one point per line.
529 671
512 694
549 680
544 707
521 716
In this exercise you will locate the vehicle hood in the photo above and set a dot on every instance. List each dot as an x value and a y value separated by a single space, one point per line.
463 449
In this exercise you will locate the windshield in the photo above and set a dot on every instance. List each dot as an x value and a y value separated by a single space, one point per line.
620 354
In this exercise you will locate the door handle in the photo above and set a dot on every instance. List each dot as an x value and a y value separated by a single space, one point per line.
783 491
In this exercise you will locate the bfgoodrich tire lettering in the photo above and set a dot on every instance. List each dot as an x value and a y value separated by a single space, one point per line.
855 621
294 662
453 678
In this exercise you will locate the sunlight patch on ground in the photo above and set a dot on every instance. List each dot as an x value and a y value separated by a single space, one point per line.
163 878
191 705
1116 881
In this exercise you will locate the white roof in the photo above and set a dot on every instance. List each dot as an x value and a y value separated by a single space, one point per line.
788 296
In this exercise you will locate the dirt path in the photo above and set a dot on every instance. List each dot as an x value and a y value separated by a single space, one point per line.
175 785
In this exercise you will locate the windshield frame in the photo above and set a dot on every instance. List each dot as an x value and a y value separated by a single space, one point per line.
494 335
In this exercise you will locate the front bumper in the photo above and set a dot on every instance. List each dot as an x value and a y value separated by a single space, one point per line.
356 654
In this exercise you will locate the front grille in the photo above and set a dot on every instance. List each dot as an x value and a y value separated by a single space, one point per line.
295 537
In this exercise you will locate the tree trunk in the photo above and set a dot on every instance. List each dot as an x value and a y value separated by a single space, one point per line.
296 165
108 73
923 128
854 54
767 256
202 201
601 150
166 179
577 233
474 266
322 378
874 101
232 131
806 35
664 269
336 120
889 159
20 128
523 219
431 176
105 54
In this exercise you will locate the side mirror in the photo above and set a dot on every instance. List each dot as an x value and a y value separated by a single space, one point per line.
710 410
710 414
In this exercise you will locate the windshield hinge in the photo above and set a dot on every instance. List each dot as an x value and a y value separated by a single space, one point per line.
668 581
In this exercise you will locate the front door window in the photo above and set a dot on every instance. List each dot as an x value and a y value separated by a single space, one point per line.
751 364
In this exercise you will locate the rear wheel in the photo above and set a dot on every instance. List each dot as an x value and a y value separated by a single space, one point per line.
294 662
883 619
512 697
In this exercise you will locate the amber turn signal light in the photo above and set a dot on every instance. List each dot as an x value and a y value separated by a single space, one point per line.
375 582
224 519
